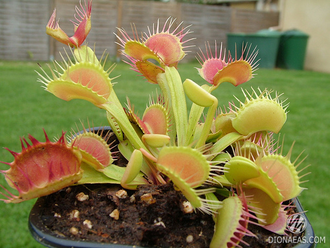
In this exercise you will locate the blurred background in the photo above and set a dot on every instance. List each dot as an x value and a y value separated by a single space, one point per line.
292 37
22 26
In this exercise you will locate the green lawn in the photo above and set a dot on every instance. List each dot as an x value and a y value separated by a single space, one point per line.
26 108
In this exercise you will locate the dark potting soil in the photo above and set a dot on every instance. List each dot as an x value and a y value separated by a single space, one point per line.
152 216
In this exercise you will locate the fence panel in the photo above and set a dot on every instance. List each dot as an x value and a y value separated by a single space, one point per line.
22 24
209 24
104 22
249 21
22 30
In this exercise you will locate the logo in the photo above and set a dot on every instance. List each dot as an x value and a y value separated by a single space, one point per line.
296 223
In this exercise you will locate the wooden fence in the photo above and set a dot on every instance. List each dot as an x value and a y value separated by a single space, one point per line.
22 24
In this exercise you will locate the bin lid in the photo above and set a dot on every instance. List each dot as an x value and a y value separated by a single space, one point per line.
295 32
268 32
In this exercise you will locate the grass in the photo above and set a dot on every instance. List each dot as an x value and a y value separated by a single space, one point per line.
26 109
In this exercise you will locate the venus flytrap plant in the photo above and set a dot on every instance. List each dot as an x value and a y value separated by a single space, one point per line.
38 170
186 167
280 225
86 79
279 168
232 222
177 102
263 183
94 149
95 153
204 99
82 26
247 118
215 70
150 46
268 209
230 155
133 168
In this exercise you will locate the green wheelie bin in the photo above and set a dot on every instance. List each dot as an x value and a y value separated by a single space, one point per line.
292 50
265 41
